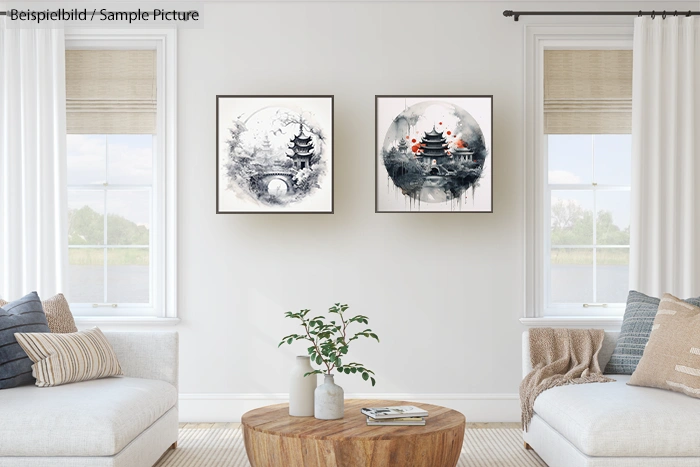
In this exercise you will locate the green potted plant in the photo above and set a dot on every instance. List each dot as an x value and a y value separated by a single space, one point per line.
330 341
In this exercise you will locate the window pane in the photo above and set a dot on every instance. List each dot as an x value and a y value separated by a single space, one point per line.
613 219
128 275
572 217
570 159
86 275
86 159
571 278
612 281
130 159
129 217
613 159
85 217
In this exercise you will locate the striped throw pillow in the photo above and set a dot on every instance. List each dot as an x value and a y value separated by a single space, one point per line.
23 315
58 313
68 358
671 359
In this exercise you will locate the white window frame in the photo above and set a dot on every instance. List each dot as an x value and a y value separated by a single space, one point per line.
163 246
539 38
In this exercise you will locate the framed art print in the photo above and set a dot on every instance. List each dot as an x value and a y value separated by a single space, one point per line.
274 154
433 154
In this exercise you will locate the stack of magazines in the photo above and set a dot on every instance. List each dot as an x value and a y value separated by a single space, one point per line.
402 415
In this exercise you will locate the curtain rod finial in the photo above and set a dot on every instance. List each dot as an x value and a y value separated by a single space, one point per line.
509 13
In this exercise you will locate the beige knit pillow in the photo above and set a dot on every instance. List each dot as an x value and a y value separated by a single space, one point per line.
58 313
671 359
68 358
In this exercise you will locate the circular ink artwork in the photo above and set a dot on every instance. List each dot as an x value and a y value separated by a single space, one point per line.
434 151
274 156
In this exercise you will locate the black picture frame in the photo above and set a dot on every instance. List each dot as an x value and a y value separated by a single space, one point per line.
331 97
377 155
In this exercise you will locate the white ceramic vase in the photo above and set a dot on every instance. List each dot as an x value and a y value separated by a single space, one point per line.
329 401
301 389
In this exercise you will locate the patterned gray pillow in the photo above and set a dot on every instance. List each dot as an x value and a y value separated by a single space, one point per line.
634 335
23 315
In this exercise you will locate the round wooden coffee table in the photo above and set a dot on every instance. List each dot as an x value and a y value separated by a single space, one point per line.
274 439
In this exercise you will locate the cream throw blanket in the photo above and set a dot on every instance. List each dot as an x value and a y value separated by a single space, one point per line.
560 357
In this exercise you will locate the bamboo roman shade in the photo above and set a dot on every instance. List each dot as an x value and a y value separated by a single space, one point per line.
587 91
111 91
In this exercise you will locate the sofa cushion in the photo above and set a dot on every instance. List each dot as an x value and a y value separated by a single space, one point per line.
23 315
672 356
90 418
58 313
69 357
634 335
614 419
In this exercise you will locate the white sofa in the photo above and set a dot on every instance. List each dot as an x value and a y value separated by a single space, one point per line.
125 421
613 424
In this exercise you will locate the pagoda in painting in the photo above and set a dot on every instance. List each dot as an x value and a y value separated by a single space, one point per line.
265 147
403 146
302 149
462 154
433 149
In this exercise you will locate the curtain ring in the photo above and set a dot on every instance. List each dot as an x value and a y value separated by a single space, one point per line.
640 14
653 14
688 15
664 15
675 13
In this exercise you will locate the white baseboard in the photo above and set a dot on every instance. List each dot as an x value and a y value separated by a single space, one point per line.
229 407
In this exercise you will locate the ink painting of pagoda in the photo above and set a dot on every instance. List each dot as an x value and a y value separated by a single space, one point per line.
274 154
433 154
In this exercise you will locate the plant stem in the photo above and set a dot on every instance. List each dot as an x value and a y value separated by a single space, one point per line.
345 324
318 351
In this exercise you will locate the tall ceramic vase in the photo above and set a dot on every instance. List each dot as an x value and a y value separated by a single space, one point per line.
301 389
330 400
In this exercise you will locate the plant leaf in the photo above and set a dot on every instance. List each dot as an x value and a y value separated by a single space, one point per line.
365 376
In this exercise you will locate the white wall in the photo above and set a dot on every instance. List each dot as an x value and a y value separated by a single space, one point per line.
448 319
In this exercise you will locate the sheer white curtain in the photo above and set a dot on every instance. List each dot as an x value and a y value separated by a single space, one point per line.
33 251
665 229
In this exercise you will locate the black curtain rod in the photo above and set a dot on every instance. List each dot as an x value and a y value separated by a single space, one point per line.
517 14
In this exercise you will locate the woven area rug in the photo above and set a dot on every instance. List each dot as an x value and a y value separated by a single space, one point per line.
219 447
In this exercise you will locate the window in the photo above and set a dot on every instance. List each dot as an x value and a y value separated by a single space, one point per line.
121 173
588 207
587 96
110 219
577 174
